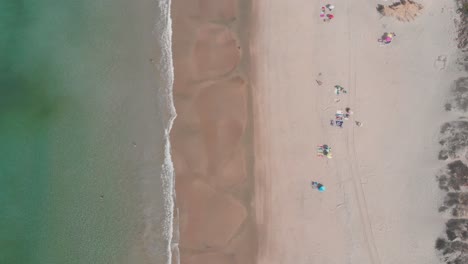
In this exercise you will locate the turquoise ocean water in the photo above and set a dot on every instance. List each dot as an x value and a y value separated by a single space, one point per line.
84 111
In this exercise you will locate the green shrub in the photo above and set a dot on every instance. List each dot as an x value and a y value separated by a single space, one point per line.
464 8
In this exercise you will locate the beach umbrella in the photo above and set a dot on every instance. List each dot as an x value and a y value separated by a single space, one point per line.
389 37
321 188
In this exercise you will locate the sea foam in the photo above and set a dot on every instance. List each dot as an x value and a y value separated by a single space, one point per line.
163 28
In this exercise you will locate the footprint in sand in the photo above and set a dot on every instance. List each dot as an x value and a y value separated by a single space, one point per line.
316 249
381 227
440 62
383 224
366 177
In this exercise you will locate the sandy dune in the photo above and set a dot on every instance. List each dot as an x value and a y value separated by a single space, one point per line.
404 10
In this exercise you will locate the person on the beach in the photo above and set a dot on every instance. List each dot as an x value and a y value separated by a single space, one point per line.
339 123
348 113
339 118
325 148
339 114
322 13
324 151
387 39
359 124
339 88
317 185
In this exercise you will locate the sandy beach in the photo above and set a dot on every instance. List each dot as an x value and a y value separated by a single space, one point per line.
254 93
381 200
212 133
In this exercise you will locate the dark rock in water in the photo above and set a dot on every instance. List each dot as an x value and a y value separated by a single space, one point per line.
453 139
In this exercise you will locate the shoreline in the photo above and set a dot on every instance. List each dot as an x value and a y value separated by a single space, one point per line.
211 142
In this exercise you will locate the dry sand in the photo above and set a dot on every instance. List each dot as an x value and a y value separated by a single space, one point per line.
381 203
382 199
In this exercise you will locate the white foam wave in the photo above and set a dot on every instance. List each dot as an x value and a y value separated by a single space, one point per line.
163 28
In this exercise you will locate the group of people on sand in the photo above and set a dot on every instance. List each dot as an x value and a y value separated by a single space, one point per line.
323 14
327 16
322 151
340 116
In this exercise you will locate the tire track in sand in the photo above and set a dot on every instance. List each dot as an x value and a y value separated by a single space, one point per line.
351 150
